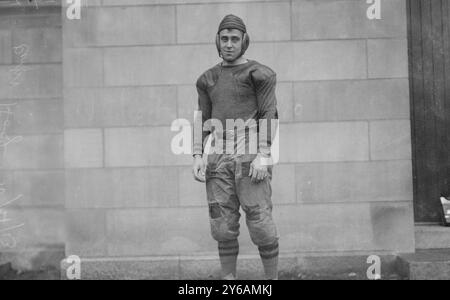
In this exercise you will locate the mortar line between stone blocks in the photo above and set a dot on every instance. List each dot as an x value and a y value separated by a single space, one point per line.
176 23
112 46
103 67
291 20
55 208
286 254
177 108
293 105
299 204
65 43
294 118
105 228
198 3
278 81
30 170
296 185
103 148
294 164
369 141
10 28
367 58
38 134
178 202
151 126
20 100
161 85
46 11
300 163
43 64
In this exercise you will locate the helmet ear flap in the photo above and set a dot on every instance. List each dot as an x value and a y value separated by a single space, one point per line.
218 44
245 42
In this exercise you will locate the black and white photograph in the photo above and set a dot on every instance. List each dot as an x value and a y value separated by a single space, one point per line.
208 141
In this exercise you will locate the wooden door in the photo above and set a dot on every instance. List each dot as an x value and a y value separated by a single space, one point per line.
429 70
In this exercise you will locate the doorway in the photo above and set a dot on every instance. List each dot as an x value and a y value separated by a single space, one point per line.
429 73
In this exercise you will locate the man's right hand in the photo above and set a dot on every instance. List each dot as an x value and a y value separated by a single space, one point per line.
198 169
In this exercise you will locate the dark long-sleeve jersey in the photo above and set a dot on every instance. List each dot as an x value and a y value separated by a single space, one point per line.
245 91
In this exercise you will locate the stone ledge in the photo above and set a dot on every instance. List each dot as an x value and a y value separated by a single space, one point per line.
432 237
425 265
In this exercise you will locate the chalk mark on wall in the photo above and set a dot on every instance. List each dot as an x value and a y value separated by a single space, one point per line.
7 239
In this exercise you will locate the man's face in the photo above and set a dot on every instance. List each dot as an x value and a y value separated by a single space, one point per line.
230 44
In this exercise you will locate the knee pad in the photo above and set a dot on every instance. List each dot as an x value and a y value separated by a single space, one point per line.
261 226
222 231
